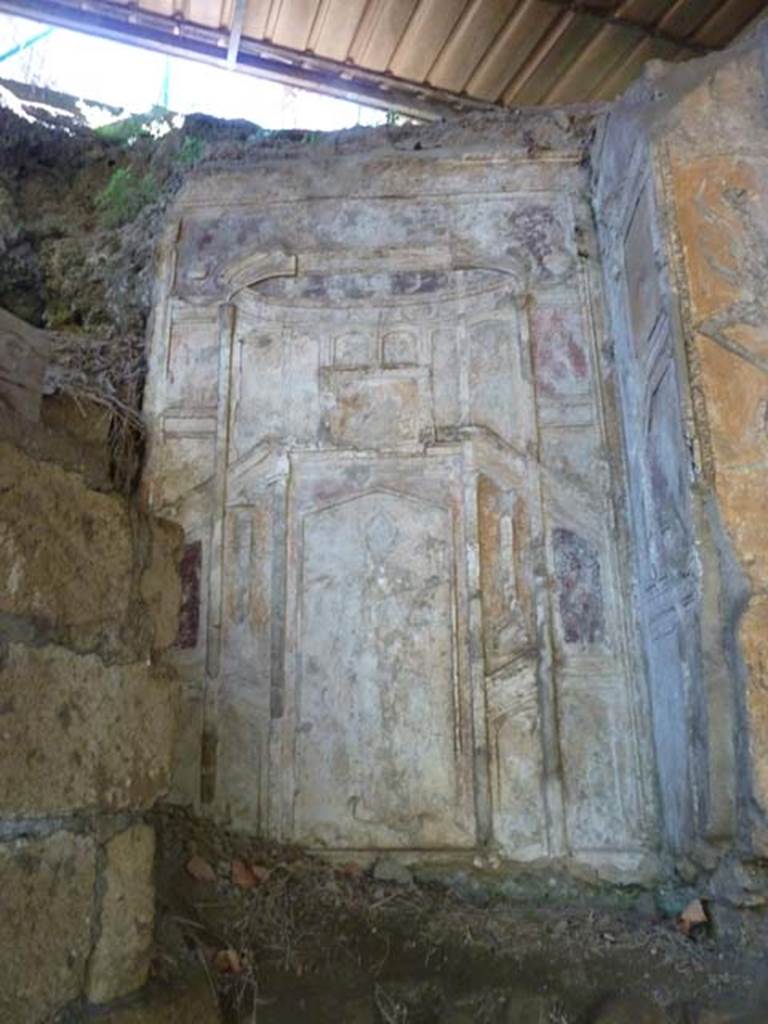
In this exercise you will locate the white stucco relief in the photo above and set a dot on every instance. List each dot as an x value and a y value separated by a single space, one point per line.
380 421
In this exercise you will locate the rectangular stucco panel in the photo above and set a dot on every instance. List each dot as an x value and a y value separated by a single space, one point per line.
375 405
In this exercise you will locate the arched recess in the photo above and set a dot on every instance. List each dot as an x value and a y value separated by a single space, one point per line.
475 313
258 267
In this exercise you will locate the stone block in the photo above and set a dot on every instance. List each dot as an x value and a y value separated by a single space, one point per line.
76 733
120 961
23 358
66 553
47 889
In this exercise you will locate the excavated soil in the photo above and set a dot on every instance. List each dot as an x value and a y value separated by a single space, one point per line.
284 937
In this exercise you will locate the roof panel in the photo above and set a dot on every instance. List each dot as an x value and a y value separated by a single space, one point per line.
379 32
335 27
600 53
505 57
569 37
537 53
293 23
628 69
158 6
427 56
644 11
431 24
213 13
728 20
684 19
256 18
473 34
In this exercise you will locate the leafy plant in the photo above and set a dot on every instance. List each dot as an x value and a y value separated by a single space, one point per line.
124 196
191 151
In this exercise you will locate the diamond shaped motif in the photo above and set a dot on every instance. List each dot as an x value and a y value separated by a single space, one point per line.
380 534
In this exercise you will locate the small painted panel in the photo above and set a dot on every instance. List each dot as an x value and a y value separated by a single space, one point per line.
503 533
180 463
574 453
259 360
519 822
193 364
579 588
377 411
377 719
446 383
721 204
494 377
560 351
401 348
355 348
528 237
603 809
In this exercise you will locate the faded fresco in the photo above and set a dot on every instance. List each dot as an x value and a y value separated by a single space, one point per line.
377 409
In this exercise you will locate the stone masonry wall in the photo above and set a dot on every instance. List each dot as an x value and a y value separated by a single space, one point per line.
88 598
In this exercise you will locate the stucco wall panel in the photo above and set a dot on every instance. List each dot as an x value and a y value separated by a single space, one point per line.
403 343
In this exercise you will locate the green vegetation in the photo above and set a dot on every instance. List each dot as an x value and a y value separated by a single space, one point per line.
192 149
124 196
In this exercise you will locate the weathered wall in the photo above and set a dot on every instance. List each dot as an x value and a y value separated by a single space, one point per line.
378 405
88 598
440 597
680 198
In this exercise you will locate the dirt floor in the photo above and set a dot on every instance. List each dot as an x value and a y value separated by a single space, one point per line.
284 938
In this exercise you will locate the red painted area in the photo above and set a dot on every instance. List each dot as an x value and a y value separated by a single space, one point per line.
189 615
562 366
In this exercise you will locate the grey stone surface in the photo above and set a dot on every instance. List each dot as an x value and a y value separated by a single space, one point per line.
641 310
679 197
119 962
46 896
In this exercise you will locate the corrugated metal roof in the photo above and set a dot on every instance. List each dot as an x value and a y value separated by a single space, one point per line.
423 56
